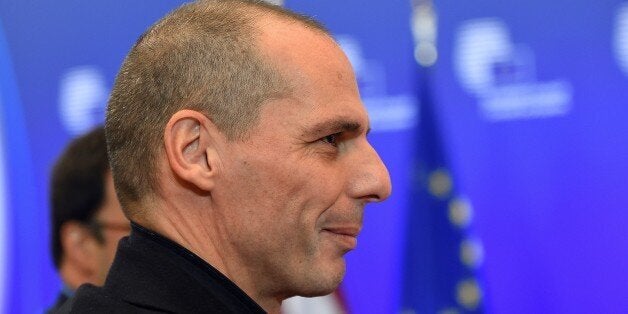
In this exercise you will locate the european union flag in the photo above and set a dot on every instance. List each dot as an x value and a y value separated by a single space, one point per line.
442 256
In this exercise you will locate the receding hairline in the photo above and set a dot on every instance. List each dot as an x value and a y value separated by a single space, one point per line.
286 15
256 14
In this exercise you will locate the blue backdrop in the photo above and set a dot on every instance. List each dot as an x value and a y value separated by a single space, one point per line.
532 100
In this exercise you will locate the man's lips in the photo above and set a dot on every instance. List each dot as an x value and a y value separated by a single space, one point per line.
351 231
346 235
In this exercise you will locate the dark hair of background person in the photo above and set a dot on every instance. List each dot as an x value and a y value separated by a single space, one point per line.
77 186
203 57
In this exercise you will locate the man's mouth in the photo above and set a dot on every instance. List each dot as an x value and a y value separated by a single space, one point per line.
346 235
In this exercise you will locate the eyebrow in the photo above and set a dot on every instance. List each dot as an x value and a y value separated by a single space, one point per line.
338 125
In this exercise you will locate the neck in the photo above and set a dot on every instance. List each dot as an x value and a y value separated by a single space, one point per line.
203 233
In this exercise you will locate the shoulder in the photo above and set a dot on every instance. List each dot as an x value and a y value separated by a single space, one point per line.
92 299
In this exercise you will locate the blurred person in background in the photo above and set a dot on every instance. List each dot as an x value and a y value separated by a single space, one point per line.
87 220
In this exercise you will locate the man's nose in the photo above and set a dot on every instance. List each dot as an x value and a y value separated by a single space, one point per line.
371 181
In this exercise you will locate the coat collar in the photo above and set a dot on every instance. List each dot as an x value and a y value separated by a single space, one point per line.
154 272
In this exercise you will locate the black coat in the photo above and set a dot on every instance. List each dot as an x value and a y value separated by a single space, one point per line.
152 274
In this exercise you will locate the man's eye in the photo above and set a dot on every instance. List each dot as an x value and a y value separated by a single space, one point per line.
331 139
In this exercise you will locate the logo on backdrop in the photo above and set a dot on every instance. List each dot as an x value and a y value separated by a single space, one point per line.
82 99
621 37
502 74
387 112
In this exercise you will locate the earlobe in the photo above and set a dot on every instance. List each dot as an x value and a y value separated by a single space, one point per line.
77 244
190 148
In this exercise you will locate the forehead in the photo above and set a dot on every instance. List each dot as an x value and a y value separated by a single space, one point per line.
321 79
296 50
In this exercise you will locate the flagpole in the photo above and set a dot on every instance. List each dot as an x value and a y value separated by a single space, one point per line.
442 255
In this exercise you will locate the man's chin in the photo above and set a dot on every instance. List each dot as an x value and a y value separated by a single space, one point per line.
324 282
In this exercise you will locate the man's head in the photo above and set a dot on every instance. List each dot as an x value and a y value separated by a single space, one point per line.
236 129
87 221
202 56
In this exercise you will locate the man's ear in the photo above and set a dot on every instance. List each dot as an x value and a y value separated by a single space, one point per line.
79 247
189 140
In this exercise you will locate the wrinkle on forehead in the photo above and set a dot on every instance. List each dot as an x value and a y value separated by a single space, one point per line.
291 49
